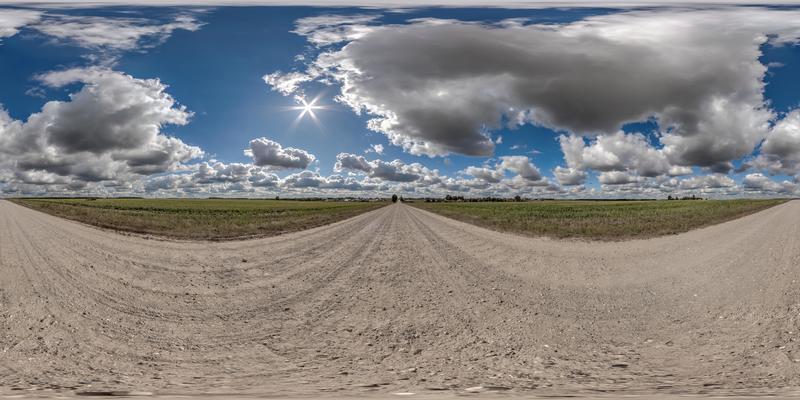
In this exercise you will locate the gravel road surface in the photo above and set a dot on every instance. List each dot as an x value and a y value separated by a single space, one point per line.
399 300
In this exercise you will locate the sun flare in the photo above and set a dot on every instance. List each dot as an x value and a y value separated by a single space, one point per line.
307 108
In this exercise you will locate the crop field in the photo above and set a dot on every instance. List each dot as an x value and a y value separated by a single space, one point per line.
209 219
598 220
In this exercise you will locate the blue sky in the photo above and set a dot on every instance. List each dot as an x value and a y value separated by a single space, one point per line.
632 97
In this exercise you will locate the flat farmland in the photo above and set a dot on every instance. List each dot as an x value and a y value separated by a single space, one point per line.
206 219
598 220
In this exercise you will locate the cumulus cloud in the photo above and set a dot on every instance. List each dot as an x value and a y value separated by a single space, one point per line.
375 148
218 172
525 174
262 178
11 20
106 36
168 183
325 30
110 129
615 152
780 152
286 83
761 183
522 166
569 176
491 175
112 33
113 111
267 153
715 181
352 162
214 177
309 180
617 178
435 87
217 177
393 171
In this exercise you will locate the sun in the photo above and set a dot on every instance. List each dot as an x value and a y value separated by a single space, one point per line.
307 108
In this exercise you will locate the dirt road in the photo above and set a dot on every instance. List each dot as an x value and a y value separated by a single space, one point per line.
400 300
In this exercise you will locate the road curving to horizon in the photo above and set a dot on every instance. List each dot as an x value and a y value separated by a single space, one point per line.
400 300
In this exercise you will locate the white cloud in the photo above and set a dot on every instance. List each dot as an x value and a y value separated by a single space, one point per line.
615 152
617 178
112 111
569 176
313 180
523 166
375 148
352 162
214 177
678 170
286 83
217 172
262 178
267 153
12 20
106 36
760 183
525 175
491 175
325 30
112 33
780 152
109 130
694 72
218 177
393 171
715 181
444 87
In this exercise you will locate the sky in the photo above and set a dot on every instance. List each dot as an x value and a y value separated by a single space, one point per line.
533 99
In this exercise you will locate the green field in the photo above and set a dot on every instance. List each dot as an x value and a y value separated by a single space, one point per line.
210 219
599 220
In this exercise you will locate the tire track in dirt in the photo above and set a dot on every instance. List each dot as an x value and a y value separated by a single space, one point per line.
399 299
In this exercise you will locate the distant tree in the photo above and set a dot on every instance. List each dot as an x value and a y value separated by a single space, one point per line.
402 199
277 197
517 198
394 198
669 197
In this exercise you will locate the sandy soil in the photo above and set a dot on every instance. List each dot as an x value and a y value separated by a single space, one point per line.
400 300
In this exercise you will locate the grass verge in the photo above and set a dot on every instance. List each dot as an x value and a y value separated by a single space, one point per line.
207 219
598 220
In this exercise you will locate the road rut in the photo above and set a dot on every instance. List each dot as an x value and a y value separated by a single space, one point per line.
399 300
